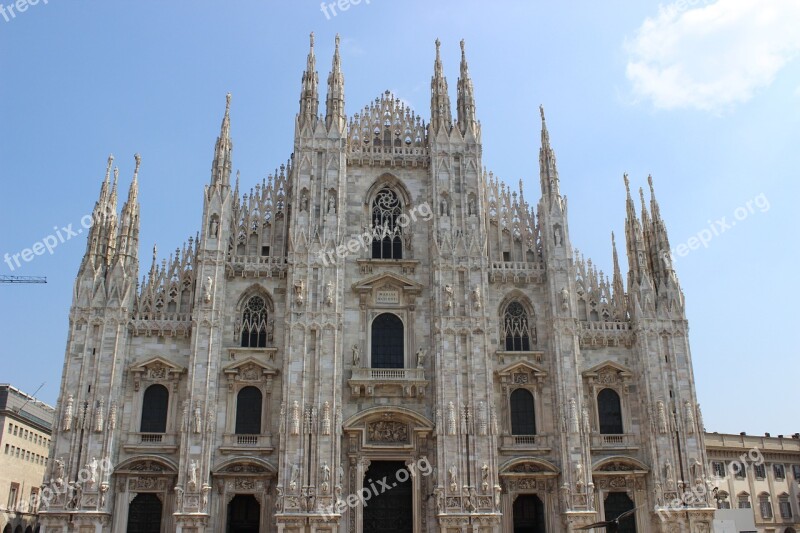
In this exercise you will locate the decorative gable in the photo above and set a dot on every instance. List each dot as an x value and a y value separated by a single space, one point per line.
156 369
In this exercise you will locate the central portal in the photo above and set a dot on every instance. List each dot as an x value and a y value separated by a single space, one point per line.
243 514
389 510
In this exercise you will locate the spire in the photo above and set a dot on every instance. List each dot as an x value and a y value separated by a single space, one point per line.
128 244
662 252
94 241
548 171
221 166
309 97
334 108
466 96
616 284
440 99
634 239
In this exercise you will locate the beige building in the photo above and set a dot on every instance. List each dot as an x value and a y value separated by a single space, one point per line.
759 477
381 337
24 447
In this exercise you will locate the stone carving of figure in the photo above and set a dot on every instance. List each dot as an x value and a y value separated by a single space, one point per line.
326 472
453 478
213 227
92 468
208 287
662 417
668 473
295 476
443 207
339 476
476 298
448 295
58 470
485 477
564 299
689 417
193 466
356 355
178 499
696 470
329 293
472 207
304 201
331 205
497 492
198 418
271 330
451 419
587 427
299 297
557 235
67 422
574 425
420 358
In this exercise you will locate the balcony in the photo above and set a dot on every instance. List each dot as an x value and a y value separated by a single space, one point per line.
614 442
388 382
152 442
516 272
233 443
527 443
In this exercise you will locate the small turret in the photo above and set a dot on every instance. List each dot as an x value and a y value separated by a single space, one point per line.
441 116
221 167
309 95
466 97
334 107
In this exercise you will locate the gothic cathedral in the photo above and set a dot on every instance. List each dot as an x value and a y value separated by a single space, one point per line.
380 337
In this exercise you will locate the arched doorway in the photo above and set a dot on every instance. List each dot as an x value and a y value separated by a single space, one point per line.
617 503
144 514
388 511
528 514
244 513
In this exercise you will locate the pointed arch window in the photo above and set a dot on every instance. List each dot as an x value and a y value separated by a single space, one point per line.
254 328
523 417
248 411
387 233
518 335
388 342
154 409
609 411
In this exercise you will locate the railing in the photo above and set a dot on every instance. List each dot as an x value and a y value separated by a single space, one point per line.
606 326
140 441
524 440
150 438
528 442
612 440
383 374
248 441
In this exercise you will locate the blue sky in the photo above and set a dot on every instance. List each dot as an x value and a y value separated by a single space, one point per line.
703 95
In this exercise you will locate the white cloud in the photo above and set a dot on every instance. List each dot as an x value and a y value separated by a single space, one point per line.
711 56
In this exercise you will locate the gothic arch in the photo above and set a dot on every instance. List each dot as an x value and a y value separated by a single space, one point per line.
512 335
390 181
248 463
255 289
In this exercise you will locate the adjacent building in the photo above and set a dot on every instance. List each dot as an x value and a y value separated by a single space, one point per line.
380 321
24 447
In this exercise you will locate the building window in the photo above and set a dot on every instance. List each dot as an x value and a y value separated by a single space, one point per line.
718 468
254 323
784 506
765 506
739 470
248 411
516 329
760 471
523 417
744 501
387 341
609 412
154 409
34 500
387 234
12 495
779 471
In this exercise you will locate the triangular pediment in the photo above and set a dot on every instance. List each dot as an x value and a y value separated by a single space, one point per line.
387 279
608 367
249 366
157 366
522 367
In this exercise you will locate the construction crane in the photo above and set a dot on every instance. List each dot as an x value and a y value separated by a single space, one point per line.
23 279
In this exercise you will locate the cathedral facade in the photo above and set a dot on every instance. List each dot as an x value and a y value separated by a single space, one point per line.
380 337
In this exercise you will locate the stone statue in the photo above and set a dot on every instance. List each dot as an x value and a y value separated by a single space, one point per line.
304 201
329 293
356 355
420 358
453 478
193 466
557 235
485 477
198 418
564 299
339 475
477 299
472 207
448 295
326 472
294 477
208 287
214 227
58 470
331 205
67 422
92 468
